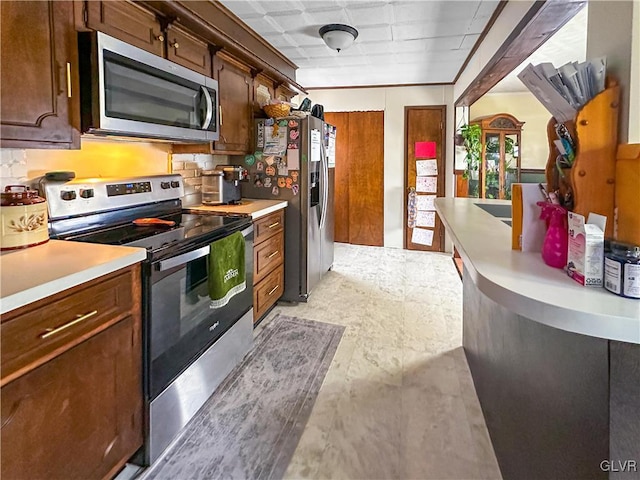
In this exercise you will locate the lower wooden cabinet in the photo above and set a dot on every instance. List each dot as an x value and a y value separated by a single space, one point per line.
79 414
268 262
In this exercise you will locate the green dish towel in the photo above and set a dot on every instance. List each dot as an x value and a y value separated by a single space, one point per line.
226 269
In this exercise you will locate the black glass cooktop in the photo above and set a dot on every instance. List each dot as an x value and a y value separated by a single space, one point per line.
188 228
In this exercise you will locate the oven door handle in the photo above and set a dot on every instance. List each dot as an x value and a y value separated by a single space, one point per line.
182 259
189 256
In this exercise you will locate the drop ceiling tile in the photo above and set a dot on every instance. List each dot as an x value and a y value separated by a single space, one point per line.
469 41
374 33
370 14
428 30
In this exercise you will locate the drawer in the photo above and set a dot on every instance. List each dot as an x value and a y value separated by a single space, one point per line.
267 255
267 226
34 334
267 292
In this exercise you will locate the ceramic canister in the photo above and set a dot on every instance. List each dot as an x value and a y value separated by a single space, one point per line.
23 218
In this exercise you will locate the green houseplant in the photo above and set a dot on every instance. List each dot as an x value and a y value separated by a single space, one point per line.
471 137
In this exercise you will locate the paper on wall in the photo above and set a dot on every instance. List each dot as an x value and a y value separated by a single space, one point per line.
426 167
425 202
427 184
315 145
422 236
426 219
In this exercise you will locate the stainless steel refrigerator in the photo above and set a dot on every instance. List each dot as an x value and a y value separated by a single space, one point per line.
291 162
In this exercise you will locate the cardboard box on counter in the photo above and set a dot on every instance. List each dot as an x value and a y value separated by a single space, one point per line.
585 259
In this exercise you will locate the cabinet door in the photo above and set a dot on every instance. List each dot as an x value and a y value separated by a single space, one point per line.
284 94
235 91
78 416
39 76
188 51
127 22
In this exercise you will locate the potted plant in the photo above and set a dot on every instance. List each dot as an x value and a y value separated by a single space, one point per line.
471 137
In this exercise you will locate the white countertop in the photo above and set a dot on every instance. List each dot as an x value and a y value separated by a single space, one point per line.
524 284
253 208
34 273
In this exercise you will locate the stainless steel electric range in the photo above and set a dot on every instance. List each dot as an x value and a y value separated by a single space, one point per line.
189 347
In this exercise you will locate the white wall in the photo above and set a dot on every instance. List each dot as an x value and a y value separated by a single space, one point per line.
392 101
526 108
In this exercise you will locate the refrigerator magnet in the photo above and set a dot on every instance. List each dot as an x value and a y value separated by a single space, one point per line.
271 170
268 122
257 180
281 182
292 146
293 124
288 182
267 182
282 169
249 159
270 160
295 189
275 191
294 175
260 166
257 155
260 136
294 134
282 123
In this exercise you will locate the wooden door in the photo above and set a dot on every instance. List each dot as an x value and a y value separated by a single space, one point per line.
424 124
39 84
359 177
236 91
79 415
341 175
127 22
188 51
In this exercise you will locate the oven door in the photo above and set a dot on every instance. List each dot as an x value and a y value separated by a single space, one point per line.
181 325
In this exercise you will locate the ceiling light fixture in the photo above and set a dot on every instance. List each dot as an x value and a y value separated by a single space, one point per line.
338 36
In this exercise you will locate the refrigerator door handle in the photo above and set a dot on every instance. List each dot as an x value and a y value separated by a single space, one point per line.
325 186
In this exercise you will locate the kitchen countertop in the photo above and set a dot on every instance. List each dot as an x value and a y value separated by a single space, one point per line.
34 273
254 208
524 284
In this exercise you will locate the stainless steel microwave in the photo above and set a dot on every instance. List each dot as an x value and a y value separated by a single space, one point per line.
129 92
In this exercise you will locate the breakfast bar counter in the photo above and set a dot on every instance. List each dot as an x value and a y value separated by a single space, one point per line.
556 365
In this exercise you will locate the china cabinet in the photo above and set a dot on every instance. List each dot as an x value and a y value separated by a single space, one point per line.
501 158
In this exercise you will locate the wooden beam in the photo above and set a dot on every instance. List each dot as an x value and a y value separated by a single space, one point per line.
539 24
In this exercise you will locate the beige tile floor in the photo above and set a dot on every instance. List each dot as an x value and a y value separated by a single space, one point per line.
398 401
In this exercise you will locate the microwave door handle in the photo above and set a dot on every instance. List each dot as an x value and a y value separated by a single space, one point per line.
209 115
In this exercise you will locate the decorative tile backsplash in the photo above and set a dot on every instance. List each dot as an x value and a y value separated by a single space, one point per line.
13 167
190 166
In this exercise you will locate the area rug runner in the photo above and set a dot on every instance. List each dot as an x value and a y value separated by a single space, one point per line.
251 425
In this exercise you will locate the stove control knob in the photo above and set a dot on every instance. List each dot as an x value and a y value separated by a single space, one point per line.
86 193
175 184
164 185
68 195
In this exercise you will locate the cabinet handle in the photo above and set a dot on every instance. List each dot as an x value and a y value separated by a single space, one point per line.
68 79
160 38
175 44
273 254
220 114
273 290
52 331
274 225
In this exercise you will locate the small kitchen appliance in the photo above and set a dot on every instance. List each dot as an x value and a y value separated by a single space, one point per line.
189 346
222 184
23 220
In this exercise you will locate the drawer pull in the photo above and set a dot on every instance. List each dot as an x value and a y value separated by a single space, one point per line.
273 290
274 225
273 254
52 331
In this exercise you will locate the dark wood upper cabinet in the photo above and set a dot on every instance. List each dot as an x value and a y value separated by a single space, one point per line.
188 51
39 83
127 22
235 88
